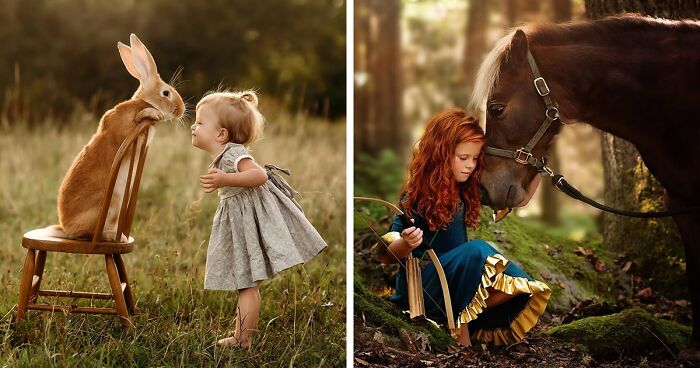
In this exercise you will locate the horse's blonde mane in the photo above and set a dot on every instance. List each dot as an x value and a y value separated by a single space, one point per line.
487 76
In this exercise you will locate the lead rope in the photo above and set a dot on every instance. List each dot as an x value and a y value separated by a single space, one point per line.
560 183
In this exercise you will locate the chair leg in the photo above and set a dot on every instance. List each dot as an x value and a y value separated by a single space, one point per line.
39 273
128 293
116 286
25 285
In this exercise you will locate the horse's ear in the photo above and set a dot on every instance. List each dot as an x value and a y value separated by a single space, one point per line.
517 55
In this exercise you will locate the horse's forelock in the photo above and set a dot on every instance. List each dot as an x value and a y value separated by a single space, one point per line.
487 76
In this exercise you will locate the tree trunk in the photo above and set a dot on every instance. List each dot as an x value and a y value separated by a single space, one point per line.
655 243
361 106
561 11
550 195
510 12
378 112
475 40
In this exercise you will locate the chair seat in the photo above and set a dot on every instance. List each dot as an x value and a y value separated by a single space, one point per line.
40 239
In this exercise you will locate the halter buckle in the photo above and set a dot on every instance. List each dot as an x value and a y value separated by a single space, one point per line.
521 151
547 170
541 86
552 113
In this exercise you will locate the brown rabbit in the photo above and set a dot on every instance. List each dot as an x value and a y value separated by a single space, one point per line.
83 187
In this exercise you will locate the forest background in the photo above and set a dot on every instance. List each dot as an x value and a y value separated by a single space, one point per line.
60 71
414 58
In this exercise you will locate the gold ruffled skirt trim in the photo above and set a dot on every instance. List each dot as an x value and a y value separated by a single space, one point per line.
494 277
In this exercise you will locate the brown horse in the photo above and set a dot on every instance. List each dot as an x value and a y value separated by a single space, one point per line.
637 78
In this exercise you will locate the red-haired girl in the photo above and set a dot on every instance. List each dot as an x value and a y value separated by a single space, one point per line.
491 296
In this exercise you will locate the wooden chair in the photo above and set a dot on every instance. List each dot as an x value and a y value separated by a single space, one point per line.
38 243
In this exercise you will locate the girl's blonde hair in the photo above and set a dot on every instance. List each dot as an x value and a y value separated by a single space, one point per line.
238 114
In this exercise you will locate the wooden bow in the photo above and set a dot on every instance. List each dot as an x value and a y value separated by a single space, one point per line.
406 221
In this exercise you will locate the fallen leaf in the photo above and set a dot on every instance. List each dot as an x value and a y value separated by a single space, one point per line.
422 342
600 266
378 337
627 266
645 293
362 362
561 284
586 252
681 303
522 348
546 276
407 340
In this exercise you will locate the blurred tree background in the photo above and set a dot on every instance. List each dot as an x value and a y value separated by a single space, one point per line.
61 55
426 54
415 58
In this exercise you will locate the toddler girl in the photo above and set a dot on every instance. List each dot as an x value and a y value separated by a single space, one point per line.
258 230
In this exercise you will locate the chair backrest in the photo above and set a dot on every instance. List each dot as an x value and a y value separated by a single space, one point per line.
135 148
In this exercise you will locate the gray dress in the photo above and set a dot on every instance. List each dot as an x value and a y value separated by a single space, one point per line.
257 232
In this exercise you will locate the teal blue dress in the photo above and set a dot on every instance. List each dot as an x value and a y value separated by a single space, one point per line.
472 268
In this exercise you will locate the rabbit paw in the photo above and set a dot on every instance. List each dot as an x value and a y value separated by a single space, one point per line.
149 113
111 236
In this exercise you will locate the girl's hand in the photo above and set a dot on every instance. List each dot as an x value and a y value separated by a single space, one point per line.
213 180
413 236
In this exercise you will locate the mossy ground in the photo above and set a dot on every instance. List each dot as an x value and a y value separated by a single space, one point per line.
521 241
630 332
540 251
379 312
544 254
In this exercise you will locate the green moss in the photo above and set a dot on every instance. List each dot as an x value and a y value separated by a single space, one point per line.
632 331
523 242
654 244
382 313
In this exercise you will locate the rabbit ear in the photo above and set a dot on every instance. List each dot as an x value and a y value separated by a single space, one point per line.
125 53
143 61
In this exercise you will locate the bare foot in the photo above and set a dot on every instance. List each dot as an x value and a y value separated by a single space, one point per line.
111 236
463 338
462 341
232 342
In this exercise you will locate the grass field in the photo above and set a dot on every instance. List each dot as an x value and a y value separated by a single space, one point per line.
303 309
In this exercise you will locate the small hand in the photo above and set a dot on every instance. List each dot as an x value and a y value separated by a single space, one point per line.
213 180
413 236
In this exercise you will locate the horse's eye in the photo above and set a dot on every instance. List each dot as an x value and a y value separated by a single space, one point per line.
496 109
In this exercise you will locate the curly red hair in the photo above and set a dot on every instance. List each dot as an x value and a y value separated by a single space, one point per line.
430 189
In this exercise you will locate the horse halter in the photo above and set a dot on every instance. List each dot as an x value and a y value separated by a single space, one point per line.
524 154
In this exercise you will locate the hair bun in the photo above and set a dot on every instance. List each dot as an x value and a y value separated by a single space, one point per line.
251 97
